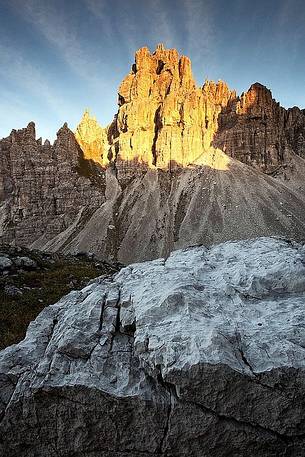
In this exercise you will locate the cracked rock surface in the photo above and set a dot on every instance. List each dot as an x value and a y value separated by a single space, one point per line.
201 354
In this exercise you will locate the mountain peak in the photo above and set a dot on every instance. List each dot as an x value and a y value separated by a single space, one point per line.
165 121
92 138
160 47
25 135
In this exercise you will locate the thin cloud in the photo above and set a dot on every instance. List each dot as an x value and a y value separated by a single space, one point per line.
99 9
61 33
292 29
32 79
162 25
150 22
126 26
200 30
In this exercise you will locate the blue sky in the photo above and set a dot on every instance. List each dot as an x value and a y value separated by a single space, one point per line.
58 57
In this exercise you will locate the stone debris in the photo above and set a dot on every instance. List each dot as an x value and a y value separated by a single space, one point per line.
12 291
5 263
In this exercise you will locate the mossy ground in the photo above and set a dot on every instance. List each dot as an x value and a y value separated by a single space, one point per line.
40 288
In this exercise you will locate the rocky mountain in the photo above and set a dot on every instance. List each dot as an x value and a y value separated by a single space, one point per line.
165 120
179 165
200 354
42 186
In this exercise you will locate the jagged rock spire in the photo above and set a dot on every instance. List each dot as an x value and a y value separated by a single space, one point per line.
92 138
165 121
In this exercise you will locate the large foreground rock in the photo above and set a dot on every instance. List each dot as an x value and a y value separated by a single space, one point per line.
201 354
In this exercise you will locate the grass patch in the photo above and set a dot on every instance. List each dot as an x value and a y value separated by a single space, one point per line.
40 288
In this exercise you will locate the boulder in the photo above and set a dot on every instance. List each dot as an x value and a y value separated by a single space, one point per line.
12 291
25 262
199 354
5 263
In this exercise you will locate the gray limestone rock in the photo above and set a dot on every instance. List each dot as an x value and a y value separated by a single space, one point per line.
25 262
201 354
5 263
12 291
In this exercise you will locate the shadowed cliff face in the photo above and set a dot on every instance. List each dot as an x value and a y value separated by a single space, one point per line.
256 130
43 187
178 166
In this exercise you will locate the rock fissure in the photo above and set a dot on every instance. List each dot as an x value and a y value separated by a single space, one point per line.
2 415
117 325
175 399
103 302
50 336
284 437
242 353
172 392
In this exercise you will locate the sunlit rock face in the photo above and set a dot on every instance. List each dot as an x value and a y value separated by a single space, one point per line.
165 121
92 138
200 354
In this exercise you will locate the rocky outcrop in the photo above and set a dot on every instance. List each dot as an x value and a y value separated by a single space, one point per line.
55 200
200 354
92 139
43 187
256 130
165 121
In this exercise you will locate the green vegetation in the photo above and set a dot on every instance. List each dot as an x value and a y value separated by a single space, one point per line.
54 277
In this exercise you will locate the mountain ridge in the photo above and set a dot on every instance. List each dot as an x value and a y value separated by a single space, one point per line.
179 165
164 117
